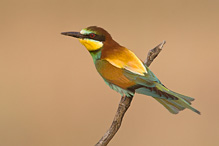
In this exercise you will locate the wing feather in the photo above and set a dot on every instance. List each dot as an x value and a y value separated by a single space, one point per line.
131 66
124 59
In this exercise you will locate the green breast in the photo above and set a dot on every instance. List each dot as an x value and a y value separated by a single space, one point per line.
95 55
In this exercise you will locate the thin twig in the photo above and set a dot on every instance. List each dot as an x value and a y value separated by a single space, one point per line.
117 121
152 54
125 102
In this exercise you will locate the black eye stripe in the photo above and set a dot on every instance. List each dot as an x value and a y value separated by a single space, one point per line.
97 37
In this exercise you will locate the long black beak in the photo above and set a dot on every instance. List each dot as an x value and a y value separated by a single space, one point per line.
73 34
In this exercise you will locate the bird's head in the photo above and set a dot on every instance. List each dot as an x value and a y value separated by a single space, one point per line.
93 37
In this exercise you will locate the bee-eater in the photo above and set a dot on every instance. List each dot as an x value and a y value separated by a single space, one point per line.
124 72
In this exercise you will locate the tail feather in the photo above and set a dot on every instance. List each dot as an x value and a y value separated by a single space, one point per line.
172 101
177 105
174 106
181 103
186 98
185 104
170 107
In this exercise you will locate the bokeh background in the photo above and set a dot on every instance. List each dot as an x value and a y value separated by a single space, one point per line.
51 94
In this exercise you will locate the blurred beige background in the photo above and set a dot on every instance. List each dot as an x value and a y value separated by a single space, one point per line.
51 94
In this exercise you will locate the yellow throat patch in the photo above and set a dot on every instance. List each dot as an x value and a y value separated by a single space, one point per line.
90 44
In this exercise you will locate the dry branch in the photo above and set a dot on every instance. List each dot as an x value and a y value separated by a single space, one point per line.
152 54
126 101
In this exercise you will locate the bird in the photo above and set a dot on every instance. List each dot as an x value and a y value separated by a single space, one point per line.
124 72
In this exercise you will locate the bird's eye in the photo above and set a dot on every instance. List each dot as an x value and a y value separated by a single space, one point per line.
92 35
